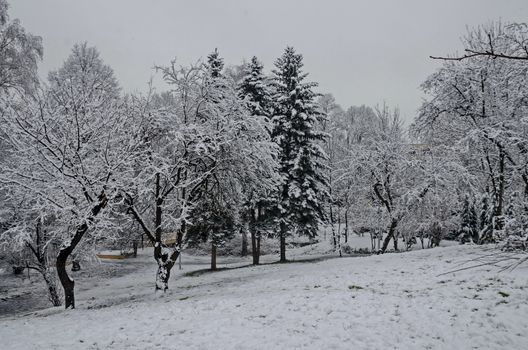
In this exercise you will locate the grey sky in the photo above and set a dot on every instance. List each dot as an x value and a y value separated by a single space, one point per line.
363 52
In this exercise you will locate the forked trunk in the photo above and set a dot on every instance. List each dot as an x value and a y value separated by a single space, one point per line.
67 283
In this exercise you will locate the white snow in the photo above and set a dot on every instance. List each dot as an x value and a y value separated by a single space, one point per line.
391 301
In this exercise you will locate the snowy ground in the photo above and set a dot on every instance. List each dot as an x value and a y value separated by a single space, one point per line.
393 301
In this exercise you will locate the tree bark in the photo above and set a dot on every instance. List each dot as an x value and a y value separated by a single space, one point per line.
53 294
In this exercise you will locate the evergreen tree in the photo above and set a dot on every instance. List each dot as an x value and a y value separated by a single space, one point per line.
301 158
214 220
469 223
485 221
215 64
254 90
260 206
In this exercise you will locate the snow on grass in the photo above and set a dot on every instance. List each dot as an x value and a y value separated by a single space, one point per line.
393 301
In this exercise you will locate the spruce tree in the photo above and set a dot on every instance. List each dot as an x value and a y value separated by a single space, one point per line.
254 90
469 223
301 158
215 64
485 221
260 207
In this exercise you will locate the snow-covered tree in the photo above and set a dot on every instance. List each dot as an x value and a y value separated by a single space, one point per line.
304 186
259 207
67 144
20 53
31 229
215 64
479 104
395 182
200 144
469 222
254 89
335 148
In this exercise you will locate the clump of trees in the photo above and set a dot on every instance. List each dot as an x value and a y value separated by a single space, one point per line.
477 106
199 161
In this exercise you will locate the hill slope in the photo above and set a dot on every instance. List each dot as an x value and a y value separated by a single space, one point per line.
394 301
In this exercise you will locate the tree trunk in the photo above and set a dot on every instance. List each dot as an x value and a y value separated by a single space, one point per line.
165 263
257 255
334 238
254 249
40 252
67 283
390 235
53 294
498 221
346 226
339 231
66 249
134 248
282 242
395 241
162 276
213 257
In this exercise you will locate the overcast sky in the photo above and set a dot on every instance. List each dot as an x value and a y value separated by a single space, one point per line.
363 52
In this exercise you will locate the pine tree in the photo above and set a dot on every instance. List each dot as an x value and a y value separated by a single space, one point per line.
254 90
301 158
215 64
